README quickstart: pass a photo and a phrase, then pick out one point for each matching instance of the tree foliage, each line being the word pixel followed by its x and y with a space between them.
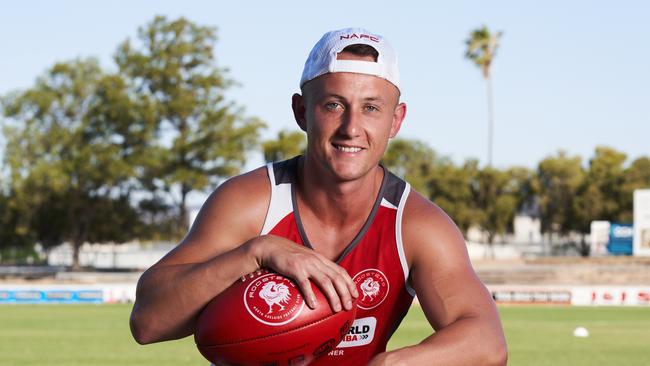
pixel 635 176
pixel 412 160
pixel 606 170
pixel 203 138
pixel 451 188
pixel 482 46
pixel 495 201
pixel 558 180
pixel 287 144
pixel 74 141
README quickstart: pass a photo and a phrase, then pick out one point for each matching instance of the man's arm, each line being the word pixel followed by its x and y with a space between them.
pixel 460 309
pixel 223 245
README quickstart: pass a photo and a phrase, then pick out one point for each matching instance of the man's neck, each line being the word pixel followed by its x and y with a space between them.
pixel 337 203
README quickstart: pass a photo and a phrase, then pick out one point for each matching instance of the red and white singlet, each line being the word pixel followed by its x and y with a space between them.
pixel 374 259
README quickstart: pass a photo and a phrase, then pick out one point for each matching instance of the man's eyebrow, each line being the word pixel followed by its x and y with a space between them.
pixel 375 99
pixel 332 95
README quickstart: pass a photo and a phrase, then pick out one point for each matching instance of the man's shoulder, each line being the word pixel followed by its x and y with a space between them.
pixel 251 183
pixel 418 207
pixel 423 218
pixel 429 235
pixel 247 194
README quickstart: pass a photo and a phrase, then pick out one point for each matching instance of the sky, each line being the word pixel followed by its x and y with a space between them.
pixel 568 75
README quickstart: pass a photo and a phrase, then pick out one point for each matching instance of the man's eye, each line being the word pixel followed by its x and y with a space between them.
pixel 332 106
pixel 371 108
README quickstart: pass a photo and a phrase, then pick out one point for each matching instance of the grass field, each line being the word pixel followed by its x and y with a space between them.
pixel 99 335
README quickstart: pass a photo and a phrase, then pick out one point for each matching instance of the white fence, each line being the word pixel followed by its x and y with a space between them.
pixel 132 255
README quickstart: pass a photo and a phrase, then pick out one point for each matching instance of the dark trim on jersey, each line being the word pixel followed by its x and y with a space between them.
pixel 286 171
pixel 394 189
pixel 391 189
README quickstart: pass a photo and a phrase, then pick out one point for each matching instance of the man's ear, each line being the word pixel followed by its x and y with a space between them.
pixel 398 118
pixel 298 106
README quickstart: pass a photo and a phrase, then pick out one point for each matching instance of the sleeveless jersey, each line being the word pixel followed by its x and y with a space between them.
pixel 374 259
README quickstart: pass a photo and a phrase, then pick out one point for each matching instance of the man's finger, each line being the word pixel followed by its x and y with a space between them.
pixel 324 282
pixel 340 279
pixel 344 275
pixel 352 287
pixel 308 293
pixel 344 292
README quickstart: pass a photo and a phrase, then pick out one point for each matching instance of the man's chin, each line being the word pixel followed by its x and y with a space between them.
pixel 349 173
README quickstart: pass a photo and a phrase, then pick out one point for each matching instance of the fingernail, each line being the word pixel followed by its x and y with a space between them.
pixel 348 305
pixel 337 307
pixel 313 302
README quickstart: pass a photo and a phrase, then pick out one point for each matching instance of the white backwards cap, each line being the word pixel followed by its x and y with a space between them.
pixel 322 58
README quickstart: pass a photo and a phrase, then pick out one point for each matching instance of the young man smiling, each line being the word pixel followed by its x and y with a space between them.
pixel 338 218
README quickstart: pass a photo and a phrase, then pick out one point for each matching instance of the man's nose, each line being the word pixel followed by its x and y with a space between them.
pixel 351 123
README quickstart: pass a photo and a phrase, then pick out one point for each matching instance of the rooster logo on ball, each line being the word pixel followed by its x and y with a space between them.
pixel 275 294
pixel 273 299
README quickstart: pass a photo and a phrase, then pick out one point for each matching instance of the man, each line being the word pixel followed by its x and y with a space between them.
pixel 336 217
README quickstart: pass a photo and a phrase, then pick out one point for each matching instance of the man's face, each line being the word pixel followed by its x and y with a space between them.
pixel 349 119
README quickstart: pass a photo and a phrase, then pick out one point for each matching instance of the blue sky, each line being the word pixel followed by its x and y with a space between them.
pixel 569 75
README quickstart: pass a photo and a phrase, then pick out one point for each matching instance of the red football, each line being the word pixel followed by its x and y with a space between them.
pixel 262 319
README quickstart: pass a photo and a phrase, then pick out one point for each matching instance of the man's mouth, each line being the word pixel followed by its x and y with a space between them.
pixel 347 149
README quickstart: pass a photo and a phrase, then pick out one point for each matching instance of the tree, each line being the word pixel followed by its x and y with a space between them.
pixel 558 180
pixel 8 218
pixel 207 137
pixel 495 201
pixel 599 195
pixel 451 188
pixel 412 160
pixel 288 144
pixel 636 176
pixel 587 206
pixel 482 47
pixel 75 141
pixel 521 183
pixel 606 173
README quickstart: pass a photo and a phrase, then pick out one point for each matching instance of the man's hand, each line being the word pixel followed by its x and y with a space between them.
pixel 303 264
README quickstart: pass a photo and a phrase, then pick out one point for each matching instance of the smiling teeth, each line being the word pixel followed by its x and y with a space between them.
pixel 349 149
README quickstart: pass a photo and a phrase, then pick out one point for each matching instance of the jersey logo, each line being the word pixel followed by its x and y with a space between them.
pixel 370 289
pixel 273 300
pixel 373 286
pixel 361 333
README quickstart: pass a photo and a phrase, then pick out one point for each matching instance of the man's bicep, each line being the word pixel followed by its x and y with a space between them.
pixel 441 273
pixel 232 214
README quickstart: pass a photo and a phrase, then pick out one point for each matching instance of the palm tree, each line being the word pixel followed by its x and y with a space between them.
pixel 481 49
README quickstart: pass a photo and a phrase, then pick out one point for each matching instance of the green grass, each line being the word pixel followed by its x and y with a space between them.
pixel 543 336
pixel 81 335
pixel 99 335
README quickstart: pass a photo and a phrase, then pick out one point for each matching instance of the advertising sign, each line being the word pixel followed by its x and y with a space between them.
pixel 66 294
pixel 599 238
pixel 571 295
pixel 620 239
pixel 642 222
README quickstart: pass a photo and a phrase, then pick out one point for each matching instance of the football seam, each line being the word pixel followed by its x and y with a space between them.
pixel 267 336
